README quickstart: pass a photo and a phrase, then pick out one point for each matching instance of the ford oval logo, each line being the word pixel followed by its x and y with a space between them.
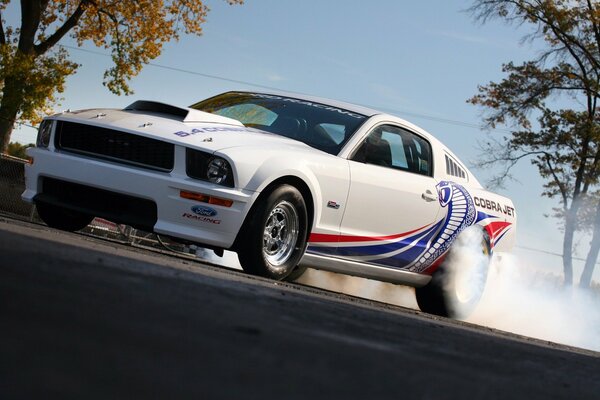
pixel 204 211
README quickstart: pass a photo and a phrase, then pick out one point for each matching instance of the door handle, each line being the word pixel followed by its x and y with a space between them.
pixel 428 196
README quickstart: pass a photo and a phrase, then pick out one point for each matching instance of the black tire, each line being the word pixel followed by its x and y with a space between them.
pixel 273 239
pixel 431 298
pixel 296 273
pixel 443 296
pixel 62 218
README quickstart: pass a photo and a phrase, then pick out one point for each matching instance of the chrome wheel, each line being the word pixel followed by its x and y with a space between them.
pixel 273 238
pixel 281 233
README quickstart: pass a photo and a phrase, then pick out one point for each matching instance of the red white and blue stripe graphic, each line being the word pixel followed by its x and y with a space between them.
pixel 394 250
pixel 495 228
pixel 416 250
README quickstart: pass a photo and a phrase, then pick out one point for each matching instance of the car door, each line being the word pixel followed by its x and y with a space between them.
pixel 392 203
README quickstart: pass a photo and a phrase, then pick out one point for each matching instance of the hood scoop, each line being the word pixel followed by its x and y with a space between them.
pixel 182 114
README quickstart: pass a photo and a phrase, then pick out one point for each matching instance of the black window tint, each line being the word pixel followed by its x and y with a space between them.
pixel 394 147
pixel 321 126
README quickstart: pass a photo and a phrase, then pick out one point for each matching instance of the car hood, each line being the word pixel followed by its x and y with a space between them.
pixel 196 129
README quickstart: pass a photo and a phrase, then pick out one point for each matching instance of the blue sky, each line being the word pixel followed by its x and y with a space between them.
pixel 419 60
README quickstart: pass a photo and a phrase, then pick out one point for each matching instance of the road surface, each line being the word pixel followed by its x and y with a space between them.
pixel 86 318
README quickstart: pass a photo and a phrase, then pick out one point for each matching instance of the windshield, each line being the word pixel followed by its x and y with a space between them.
pixel 321 126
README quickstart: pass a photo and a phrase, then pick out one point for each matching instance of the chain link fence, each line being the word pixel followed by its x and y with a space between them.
pixel 12 185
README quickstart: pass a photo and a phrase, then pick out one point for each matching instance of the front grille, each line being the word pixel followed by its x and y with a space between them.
pixel 116 207
pixel 117 146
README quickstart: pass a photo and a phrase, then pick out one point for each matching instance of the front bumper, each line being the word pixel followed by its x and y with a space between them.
pixel 174 215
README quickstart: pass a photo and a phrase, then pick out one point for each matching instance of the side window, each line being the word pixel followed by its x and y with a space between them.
pixel 397 148
pixel 394 147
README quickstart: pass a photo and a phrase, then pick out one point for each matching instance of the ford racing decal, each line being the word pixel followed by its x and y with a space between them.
pixel 204 211
pixel 202 214
pixel 201 218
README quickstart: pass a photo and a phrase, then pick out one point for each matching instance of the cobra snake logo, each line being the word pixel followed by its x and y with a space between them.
pixel 460 213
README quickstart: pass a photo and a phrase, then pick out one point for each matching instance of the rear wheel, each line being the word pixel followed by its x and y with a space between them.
pixel 273 239
pixel 62 218
pixel 457 286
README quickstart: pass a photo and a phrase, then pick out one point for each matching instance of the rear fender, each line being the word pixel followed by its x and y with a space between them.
pixel 497 215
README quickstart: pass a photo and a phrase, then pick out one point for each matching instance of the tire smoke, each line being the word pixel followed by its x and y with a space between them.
pixel 525 300
pixel 465 271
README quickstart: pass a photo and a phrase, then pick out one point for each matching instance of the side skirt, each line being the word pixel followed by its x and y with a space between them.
pixel 363 270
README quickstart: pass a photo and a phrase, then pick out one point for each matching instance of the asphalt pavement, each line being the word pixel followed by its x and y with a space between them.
pixel 90 319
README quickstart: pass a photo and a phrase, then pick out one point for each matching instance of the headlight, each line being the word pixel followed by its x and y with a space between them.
pixel 218 170
pixel 44 131
pixel 206 167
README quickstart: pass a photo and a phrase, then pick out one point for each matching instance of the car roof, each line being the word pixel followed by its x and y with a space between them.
pixel 366 111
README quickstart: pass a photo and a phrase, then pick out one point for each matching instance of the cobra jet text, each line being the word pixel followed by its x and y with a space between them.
pixel 494 206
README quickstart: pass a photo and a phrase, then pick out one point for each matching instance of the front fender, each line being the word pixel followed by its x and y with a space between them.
pixel 327 178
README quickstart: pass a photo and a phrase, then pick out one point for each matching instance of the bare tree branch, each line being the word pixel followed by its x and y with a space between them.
pixel 594 22
pixel 69 24
pixel 559 183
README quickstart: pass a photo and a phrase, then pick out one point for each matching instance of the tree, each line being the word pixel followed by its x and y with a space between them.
pixel 18 150
pixel 564 144
pixel 34 67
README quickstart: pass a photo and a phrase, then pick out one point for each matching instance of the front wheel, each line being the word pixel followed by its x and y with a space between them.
pixel 457 286
pixel 273 239
pixel 62 218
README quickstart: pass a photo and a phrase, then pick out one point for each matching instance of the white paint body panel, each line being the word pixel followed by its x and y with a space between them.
pixel 371 201
pixel 383 200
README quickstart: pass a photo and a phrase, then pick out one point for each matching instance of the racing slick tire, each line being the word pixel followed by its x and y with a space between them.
pixel 455 290
pixel 62 218
pixel 274 236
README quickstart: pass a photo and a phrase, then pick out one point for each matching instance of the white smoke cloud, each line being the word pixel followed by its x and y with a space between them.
pixel 523 299
pixel 359 287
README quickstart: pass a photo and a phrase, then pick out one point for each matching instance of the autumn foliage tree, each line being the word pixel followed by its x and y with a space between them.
pixel 562 142
pixel 34 67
